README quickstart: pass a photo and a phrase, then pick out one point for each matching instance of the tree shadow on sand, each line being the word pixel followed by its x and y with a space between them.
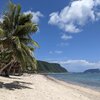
pixel 15 85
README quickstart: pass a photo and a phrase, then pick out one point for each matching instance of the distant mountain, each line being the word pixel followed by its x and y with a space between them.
pixel 45 67
pixel 92 71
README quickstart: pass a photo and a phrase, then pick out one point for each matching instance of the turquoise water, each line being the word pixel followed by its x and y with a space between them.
pixel 91 80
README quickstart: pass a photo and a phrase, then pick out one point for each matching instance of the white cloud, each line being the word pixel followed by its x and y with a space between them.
pixel 74 16
pixel 98 16
pixel 36 15
pixel 66 37
pixel 1 18
pixel 97 2
pixel 56 52
pixel 78 65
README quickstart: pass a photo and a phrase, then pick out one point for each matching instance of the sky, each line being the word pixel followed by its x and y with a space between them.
pixel 69 31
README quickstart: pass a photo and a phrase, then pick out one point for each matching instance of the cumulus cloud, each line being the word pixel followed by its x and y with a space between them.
pixel 98 16
pixel 36 15
pixel 1 18
pixel 78 65
pixel 66 37
pixel 97 2
pixel 74 16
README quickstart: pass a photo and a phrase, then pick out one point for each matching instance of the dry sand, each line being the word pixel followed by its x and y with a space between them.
pixel 40 87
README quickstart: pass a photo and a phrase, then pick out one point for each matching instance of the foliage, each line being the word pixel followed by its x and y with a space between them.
pixel 45 67
pixel 15 37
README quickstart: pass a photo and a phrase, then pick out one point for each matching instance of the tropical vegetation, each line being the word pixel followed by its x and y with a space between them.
pixel 16 43
pixel 45 67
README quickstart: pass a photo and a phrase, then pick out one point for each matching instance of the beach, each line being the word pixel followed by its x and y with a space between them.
pixel 42 87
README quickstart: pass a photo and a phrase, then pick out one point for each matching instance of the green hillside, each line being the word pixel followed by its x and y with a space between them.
pixel 45 67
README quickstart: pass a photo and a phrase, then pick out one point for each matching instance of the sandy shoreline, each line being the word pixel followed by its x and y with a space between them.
pixel 40 87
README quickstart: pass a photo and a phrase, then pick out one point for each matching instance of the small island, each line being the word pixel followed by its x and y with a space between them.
pixel 92 71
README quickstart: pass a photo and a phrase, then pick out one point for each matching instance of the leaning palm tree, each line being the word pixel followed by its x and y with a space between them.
pixel 5 58
pixel 15 35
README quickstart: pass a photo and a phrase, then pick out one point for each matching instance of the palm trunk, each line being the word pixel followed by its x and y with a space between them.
pixel 6 73
pixel 2 69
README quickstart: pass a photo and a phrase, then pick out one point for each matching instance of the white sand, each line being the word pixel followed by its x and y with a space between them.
pixel 39 87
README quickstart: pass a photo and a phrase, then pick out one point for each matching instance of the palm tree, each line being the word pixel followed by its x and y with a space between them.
pixel 5 57
pixel 15 35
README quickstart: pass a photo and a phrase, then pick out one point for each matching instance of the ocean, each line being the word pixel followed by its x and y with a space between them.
pixel 89 80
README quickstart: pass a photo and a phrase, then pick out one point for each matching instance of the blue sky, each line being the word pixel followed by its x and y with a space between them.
pixel 69 31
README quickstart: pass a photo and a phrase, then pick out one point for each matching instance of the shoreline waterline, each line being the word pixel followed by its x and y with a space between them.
pixel 81 79
pixel 43 87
